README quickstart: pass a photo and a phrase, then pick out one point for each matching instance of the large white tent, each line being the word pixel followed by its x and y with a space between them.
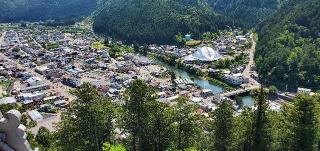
pixel 203 54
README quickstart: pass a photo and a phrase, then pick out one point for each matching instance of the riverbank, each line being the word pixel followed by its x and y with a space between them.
pixel 172 61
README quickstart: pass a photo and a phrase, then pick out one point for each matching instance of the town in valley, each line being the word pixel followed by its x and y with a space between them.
pixel 40 65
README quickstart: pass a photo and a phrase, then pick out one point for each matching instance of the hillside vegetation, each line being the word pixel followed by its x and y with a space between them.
pixel 249 13
pixel 156 21
pixel 288 51
pixel 36 10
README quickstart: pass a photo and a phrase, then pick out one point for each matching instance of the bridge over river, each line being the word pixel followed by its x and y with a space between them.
pixel 238 91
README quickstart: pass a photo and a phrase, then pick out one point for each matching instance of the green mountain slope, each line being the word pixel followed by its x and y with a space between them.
pixel 288 50
pixel 247 12
pixel 155 21
pixel 35 10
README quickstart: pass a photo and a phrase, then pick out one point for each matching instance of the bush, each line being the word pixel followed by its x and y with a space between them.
pixel 273 90
pixel 44 137
pixel 108 147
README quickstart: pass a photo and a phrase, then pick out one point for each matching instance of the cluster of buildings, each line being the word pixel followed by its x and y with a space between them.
pixel 204 57
pixel 45 64
pixel 51 62
pixel 27 88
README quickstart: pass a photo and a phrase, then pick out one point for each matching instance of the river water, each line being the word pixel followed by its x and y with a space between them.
pixel 247 100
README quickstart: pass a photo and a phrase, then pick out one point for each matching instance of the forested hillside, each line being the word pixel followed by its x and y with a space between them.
pixel 156 21
pixel 289 46
pixel 36 10
pixel 249 13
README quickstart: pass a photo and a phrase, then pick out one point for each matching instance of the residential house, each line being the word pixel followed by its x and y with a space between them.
pixel 27 98
pixel 35 88
pixel 35 115
pixel 234 80
pixel 8 100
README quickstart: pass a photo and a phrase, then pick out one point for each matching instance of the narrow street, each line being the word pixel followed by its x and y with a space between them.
pixel 249 70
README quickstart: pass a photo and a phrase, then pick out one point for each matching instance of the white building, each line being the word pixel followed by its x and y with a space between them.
pixel 304 90
pixel 8 100
pixel 35 115
pixel 203 54
pixel 27 98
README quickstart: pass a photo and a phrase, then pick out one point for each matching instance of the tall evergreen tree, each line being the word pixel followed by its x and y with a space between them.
pixel 242 131
pixel 281 127
pixel 306 121
pixel 136 113
pixel 260 138
pixel 87 123
pixel 223 118
pixel 159 131
pixel 185 124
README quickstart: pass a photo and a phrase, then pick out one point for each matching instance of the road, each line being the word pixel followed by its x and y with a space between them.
pixel 248 70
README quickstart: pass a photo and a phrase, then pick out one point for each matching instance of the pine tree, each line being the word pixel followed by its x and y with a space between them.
pixel 306 121
pixel 281 127
pixel 260 138
pixel 136 112
pixel 87 123
pixel 159 131
pixel 242 131
pixel 223 118
pixel 185 124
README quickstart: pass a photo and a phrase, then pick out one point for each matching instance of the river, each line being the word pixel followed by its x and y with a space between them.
pixel 205 84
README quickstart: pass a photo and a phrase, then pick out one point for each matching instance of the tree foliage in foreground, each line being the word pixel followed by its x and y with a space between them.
pixel 151 125
pixel 87 123
pixel 44 137
pixel 154 125
pixel 260 135
pixel 223 125
pixel 109 147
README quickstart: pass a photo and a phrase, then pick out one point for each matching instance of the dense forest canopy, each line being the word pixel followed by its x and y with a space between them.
pixel 156 21
pixel 144 20
pixel 288 51
pixel 36 10
pixel 249 13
